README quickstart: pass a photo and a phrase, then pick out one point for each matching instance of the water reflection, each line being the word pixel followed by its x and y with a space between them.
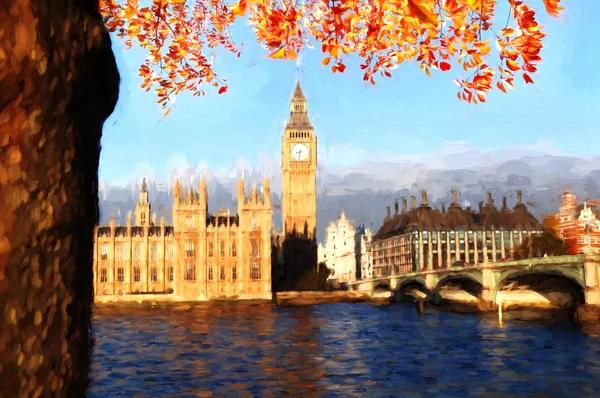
pixel 334 350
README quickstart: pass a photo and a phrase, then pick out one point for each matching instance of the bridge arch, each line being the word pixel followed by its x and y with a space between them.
pixel 564 279
pixel 405 285
pixel 475 280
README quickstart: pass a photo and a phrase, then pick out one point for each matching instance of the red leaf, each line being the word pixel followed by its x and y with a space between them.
pixel 222 89
pixel 444 66
pixel 527 78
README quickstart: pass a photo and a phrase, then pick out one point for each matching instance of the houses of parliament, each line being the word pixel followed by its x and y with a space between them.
pixel 205 255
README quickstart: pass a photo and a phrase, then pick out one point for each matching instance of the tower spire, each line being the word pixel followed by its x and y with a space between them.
pixel 298 93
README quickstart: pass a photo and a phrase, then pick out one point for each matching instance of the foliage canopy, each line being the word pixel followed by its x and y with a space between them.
pixel 179 35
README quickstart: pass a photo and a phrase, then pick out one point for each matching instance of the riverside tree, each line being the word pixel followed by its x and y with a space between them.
pixel 179 36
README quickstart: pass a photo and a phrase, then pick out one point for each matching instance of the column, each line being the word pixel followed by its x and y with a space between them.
pixel 448 251
pixel 439 250
pixel 475 248
pixel 467 254
pixel 430 250
pixel 484 243
pixel 421 259
pixel 494 249
pixel 502 244
pixel 592 285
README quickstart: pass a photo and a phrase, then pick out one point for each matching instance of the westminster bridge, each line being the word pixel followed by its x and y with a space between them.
pixel 488 278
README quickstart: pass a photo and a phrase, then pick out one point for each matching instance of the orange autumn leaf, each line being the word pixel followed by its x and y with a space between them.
pixel 553 8
pixel 278 54
pixel 240 8
pixel 180 38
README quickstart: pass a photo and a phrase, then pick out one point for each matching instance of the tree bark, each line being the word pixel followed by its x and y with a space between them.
pixel 59 84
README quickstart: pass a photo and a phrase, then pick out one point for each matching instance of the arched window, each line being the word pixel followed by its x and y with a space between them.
pixel 233 249
pixel 210 272
pixel 255 271
pixel 222 272
pixel 189 249
pixel 222 249
pixel 153 274
pixel 210 249
pixel 171 275
pixel 136 274
pixel 234 272
pixel 103 275
pixel 190 272
pixel 120 275
pixel 104 255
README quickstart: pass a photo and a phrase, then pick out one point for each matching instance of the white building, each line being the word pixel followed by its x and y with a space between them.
pixel 346 252
pixel 366 258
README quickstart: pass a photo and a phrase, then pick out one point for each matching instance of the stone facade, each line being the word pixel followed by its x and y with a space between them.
pixel 422 238
pixel 340 251
pixel 366 253
pixel 299 171
pixel 201 256
pixel 578 225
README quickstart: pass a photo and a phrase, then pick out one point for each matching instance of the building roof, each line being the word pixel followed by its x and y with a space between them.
pixel 298 93
pixel 425 218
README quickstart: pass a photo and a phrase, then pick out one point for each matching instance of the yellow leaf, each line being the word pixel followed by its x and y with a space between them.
pixel 326 61
pixel 278 54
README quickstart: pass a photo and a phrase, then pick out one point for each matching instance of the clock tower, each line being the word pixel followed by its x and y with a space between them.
pixel 299 171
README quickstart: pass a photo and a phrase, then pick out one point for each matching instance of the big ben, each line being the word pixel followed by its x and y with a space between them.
pixel 299 171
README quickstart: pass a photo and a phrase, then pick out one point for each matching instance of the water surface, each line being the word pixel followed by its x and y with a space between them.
pixel 338 350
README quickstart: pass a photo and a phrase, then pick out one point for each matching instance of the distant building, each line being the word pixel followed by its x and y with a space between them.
pixel 422 238
pixel 339 253
pixel 200 256
pixel 578 224
pixel 366 253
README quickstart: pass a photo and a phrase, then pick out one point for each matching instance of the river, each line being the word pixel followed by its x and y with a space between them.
pixel 337 350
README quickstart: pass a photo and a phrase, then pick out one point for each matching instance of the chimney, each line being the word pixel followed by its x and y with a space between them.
pixel 469 208
pixel 519 197
pixel 424 198
pixel 388 211
pixel 443 208
pixel 413 202
pixel 504 202
pixel 480 206
pixel 454 196
pixel 396 207
pixel 403 205
pixel 490 201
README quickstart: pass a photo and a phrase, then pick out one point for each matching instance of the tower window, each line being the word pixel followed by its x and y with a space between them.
pixel 190 272
pixel 104 255
pixel 210 272
pixel 222 273
pixel 222 249
pixel 255 248
pixel 170 251
pixel 234 272
pixel 103 275
pixel 137 251
pixel 153 274
pixel 255 271
pixel 189 249
pixel 136 274
pixel 189 222
pixel 233 249
pixel 154 251
pixel 171 275
pixel 120 275
pixel 142 218
pixel 210 249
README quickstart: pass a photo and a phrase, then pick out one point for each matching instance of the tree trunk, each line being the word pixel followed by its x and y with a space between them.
pixel 59 83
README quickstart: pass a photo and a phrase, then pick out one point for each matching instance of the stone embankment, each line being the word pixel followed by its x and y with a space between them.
pixel 314 297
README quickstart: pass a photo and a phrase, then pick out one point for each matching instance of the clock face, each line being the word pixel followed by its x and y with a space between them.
pixel 299 152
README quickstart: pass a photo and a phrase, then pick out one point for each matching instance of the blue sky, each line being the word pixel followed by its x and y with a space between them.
pixel 410 114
